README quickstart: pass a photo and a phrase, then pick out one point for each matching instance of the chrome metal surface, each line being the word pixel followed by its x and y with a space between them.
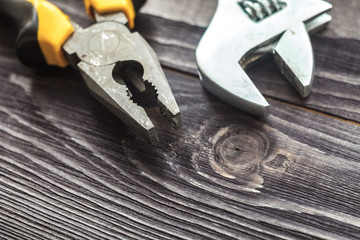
pixel 260 9
pixel 234 40
pixel 118 17
pixel 106 54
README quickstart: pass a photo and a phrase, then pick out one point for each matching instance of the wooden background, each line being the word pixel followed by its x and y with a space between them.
pixel 69 169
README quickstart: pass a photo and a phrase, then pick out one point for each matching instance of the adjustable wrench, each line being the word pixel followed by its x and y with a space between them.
pixel 242 32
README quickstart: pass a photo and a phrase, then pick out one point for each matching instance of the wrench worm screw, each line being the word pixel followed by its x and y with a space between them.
pixel 260 9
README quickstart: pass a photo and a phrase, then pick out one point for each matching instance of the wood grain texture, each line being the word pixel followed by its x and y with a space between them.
pixel 70 170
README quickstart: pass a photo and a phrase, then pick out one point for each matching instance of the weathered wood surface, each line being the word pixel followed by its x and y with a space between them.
pixel 70 170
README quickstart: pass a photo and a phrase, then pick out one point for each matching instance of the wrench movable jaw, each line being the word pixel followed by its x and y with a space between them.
pixel 294 56
pixel 234 40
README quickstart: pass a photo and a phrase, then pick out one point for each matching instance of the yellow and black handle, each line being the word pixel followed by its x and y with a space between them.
pixel 43 28
pixel 138 4
pixel 128 7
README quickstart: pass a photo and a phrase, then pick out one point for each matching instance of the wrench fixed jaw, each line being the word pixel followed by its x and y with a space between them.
pixel 108 56
pixel 218 61
pixel 257 106
pixel 229 82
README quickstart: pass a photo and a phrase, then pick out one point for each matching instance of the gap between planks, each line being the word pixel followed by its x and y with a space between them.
pixel 183 72
pixel 314 111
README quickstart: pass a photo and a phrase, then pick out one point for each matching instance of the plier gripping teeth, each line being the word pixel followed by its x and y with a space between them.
pixel 107 55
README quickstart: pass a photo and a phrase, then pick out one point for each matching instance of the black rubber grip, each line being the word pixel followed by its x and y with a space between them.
pixel 24 17
pixel 137 4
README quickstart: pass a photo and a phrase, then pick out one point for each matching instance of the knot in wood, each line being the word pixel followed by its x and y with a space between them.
pixel 241 151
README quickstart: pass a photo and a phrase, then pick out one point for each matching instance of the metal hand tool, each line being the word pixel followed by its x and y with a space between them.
pixel 108 56
pixel 242 32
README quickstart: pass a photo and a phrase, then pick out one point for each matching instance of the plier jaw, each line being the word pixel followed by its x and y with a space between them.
pixel 108 56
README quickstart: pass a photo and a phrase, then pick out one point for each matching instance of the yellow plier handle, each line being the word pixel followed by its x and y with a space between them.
pixel 108 6
pixel 44 28
pixel 54 28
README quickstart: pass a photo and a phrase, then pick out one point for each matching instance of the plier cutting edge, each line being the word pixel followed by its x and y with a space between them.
pixel 107 54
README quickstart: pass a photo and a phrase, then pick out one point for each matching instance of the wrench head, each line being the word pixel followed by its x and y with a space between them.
pixel 237 37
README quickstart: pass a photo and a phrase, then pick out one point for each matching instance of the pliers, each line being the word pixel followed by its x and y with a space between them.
pixel 108 56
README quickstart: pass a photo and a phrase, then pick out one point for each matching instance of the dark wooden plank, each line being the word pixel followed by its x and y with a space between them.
pixel 70 170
